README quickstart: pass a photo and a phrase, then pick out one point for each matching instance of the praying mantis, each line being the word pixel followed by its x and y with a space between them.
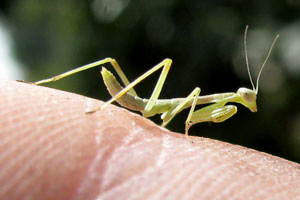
pixel 216 111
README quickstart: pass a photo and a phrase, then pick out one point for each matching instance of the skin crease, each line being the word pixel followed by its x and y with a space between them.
pixel 51 149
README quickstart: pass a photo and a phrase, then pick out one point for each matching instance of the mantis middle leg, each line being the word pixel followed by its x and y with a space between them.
pixel 168 116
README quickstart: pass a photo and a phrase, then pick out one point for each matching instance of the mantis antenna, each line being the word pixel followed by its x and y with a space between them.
pixel 246 55
pixel 264 63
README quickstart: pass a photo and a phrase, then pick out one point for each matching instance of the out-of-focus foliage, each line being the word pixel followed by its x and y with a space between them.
pixel 205 41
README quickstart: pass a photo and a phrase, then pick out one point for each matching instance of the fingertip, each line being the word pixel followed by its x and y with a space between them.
pixel 50 149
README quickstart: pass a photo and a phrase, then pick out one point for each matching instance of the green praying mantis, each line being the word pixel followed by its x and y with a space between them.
pixel 217 109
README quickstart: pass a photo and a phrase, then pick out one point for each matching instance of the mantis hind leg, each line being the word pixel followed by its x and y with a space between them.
pixel 166 65
pixel 113 62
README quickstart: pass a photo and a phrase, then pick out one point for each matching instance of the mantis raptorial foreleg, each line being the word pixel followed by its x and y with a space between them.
pixel 213 113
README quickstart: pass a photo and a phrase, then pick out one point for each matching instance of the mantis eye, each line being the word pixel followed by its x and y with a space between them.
pixel 247 94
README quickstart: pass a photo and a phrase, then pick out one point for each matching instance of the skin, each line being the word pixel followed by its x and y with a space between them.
pixel 51 149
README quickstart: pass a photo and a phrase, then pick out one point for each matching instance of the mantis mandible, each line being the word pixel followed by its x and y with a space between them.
pixel 217 110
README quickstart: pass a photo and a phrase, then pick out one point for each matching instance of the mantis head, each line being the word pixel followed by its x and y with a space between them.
pixel 248 96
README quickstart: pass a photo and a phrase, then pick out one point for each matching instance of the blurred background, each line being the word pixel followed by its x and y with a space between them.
pixel 40 39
